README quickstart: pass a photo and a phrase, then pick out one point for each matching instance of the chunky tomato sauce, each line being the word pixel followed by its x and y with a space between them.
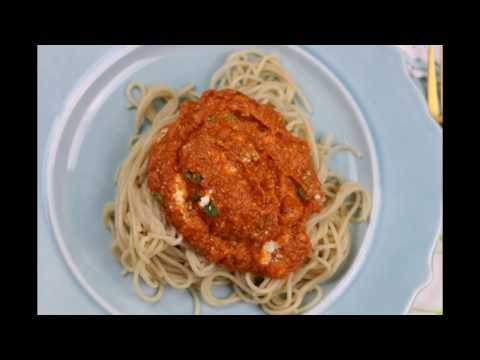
pixel 236 184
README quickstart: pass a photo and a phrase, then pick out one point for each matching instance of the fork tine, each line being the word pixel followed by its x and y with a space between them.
pixel 441 80
pixel 432 85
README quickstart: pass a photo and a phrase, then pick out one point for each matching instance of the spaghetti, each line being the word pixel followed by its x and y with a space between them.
pixel 147 246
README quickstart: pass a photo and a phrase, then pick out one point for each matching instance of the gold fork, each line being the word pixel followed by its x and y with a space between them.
pixel 432 91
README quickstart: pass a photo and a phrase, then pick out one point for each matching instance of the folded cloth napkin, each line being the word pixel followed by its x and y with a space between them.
pixel 429 300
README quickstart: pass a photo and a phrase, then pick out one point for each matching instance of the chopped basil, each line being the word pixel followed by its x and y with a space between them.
pixel 196 178
pixel 158 196
pixel 230 116
pixel 301 193
pixel 196 197
pixel 188 174
pixel 211 209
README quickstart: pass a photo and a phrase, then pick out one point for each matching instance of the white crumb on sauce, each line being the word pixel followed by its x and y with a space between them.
pixel 270 246
pixel 205 200
pixel 179 195
pixel 317 197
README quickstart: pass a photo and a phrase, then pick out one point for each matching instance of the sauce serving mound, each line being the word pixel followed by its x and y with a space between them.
pixel 236 184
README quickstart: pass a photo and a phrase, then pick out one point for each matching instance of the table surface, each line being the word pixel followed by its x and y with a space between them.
pixel 59 67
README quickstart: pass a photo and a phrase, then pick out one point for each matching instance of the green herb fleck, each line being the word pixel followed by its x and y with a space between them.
pixel 196 197
pixel 211 209
pixel 301 193
pixel 188 174
pixel 195 178
pixel 230 116
pixel 158 196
